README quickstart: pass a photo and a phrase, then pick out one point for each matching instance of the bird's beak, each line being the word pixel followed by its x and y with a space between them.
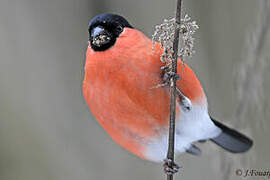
pixel 100 36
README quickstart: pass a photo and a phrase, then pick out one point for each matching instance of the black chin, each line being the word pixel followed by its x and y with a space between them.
pixel 102 47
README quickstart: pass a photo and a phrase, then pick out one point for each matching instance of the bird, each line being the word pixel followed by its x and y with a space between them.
pixel 121 73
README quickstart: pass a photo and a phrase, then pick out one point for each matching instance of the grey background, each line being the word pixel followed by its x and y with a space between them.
pixel 46 129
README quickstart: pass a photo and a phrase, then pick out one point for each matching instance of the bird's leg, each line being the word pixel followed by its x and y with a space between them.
pixel 185 101
pixel 170 167
pixel 167 74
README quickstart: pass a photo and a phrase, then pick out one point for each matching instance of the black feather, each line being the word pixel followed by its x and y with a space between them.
pixel 231 140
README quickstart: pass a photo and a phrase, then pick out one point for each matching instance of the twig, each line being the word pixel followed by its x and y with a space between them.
pixel 170 154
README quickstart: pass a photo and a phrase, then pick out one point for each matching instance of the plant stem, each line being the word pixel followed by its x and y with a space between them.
pixel 170 154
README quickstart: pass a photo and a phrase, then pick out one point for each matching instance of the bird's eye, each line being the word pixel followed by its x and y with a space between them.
pixel 119 29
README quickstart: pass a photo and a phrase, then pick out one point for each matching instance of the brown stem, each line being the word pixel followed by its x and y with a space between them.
pixel 170 154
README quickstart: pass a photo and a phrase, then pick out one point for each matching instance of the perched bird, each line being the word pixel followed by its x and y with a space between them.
pixel 121 69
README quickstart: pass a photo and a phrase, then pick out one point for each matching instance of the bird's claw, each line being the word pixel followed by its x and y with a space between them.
pixel 168 75
pixel 170 167
pixel 173 74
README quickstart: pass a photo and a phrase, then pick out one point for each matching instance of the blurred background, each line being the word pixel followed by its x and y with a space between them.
pixel 46 129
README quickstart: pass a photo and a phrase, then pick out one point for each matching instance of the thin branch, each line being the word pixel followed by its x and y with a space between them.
pixel 170 154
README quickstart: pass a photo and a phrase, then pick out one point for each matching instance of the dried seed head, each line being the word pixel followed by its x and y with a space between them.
pixel 164 34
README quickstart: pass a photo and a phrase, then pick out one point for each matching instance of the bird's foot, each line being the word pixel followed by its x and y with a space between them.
pixel 168 75
pixel 170 167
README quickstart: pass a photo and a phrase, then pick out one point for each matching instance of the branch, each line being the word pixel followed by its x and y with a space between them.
pixel 168 35
pixel 170 154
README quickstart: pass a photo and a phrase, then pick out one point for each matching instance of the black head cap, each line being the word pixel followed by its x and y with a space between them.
pixel 104 30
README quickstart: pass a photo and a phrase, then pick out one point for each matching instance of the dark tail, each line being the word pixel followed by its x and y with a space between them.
pixel 231 140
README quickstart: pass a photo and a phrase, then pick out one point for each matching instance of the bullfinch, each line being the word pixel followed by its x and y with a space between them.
pixel 122 66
